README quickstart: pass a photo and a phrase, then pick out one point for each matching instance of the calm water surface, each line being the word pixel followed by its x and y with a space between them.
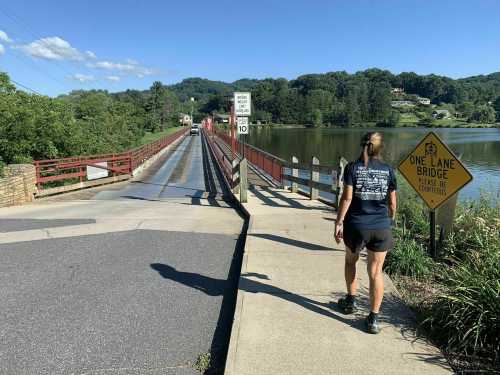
pixel 480 148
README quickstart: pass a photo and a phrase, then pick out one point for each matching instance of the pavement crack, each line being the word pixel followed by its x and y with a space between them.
pixel 47 232
pixel 138 225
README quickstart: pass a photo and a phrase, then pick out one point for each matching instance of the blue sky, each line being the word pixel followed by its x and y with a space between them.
pixel 56 46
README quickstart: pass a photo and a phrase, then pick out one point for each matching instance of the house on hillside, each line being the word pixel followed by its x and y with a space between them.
pixel 402 103
pixel 424 101
pixel 397 91
pixel 441 114
pixel 184 119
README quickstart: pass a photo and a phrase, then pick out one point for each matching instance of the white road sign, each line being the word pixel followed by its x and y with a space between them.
pixel 242 125
pixel 94 173
pixel 242 104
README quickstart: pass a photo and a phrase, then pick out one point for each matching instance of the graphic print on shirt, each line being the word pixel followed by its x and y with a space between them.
pixel 371 184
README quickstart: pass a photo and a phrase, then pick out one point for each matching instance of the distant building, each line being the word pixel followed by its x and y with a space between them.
pixel 184 119
pixel 397 91
pixel 402 103
pixel 441 113
pixel 424 101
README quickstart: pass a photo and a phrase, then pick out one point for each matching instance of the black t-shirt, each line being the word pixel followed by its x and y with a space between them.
pixel 371 188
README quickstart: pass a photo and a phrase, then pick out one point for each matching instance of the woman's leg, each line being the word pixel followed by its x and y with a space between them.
pixel 375 264
pixel 350 271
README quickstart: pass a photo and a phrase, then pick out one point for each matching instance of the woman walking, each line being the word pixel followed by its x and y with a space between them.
pixel 366 212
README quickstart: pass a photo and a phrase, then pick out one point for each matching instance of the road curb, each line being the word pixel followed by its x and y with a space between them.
pixel 235 328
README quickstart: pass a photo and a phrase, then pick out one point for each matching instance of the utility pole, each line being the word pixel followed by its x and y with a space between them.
pixel 192 109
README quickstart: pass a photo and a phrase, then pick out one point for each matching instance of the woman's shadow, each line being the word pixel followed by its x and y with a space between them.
pixel 217 287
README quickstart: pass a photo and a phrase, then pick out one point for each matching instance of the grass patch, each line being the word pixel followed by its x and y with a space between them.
pixel 203 362
pixel 409 258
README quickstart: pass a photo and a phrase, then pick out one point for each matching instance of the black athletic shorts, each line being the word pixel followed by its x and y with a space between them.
pixel 373 239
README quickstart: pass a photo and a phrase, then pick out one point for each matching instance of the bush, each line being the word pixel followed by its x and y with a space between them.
pixel 409 258
pixel 466 314
pixel 476 228
pixel 412 213
pixel 2 166
pixel 458 296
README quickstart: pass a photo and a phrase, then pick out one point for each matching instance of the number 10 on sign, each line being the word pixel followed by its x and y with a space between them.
pixel 242 125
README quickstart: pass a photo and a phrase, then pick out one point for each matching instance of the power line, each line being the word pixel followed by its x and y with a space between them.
pixel 29 31
pixel 31 63
pixel 26 87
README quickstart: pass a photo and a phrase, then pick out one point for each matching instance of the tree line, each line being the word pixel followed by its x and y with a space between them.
pixel 95 121
pixel 340 98
pixel 34 127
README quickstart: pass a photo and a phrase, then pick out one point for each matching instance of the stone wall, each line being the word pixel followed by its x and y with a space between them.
pixel 18 185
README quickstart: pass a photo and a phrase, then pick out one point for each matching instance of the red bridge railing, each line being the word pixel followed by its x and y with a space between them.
pixel 266 162
pixel 74 169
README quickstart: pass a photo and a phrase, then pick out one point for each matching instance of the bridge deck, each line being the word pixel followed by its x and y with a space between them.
pixel 123 279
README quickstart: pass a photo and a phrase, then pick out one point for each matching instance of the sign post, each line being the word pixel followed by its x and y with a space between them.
pixel 242 131
pixel 243 109
pixel 436 174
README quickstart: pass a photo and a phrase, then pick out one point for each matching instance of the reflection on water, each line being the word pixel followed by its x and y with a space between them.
pixel 480 148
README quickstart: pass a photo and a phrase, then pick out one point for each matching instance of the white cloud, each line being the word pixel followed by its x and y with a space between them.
pixel 52 48
pixel 90 55
pixel 113 78
pixel 131 67
pixel 2 50
pixel 4 37
pixel 82 77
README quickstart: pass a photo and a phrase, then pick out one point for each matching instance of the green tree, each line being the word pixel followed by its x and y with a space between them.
pixel 380 101
pixel 5 85
pixel 317 118
pixel 484 114
pixel 496 106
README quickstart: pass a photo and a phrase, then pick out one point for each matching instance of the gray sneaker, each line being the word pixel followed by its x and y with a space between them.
pixel 348 304
pixel 371 323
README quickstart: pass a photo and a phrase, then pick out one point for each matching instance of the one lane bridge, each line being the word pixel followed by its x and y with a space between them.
pixel 94 282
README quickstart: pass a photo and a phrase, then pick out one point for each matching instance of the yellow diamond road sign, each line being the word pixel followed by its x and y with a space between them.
pixel 434 171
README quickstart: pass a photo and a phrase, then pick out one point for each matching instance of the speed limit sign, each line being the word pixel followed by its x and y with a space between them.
pixel 242 125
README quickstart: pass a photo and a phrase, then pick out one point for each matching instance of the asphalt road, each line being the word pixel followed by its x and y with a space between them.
pixel 131 281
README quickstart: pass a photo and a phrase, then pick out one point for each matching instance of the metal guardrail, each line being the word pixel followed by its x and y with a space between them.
pixel 281 170
pixel 74 169
pixel 228 166
pixel 268 163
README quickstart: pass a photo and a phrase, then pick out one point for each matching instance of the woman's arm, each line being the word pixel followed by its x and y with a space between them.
pixel 345 202
pixel 392 204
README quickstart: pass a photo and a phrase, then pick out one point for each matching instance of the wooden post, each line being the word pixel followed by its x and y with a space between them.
pixel 340 180
pixel 243 181
pixel 446 215
pixel 314 193
pixel 295 173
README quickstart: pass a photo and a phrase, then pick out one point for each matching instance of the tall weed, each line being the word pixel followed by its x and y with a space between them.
pixel 466 313
pixel 409 258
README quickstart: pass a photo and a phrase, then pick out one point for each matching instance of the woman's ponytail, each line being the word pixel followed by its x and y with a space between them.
pixel 372 146
pixel 366 155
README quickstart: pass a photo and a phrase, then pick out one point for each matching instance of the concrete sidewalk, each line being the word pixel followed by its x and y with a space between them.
pixel 286 319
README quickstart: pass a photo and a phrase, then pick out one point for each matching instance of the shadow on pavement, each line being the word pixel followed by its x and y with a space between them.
pixel 296 243
pixel 393 311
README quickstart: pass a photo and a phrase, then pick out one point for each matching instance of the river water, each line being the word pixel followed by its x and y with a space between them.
pixel 479 149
